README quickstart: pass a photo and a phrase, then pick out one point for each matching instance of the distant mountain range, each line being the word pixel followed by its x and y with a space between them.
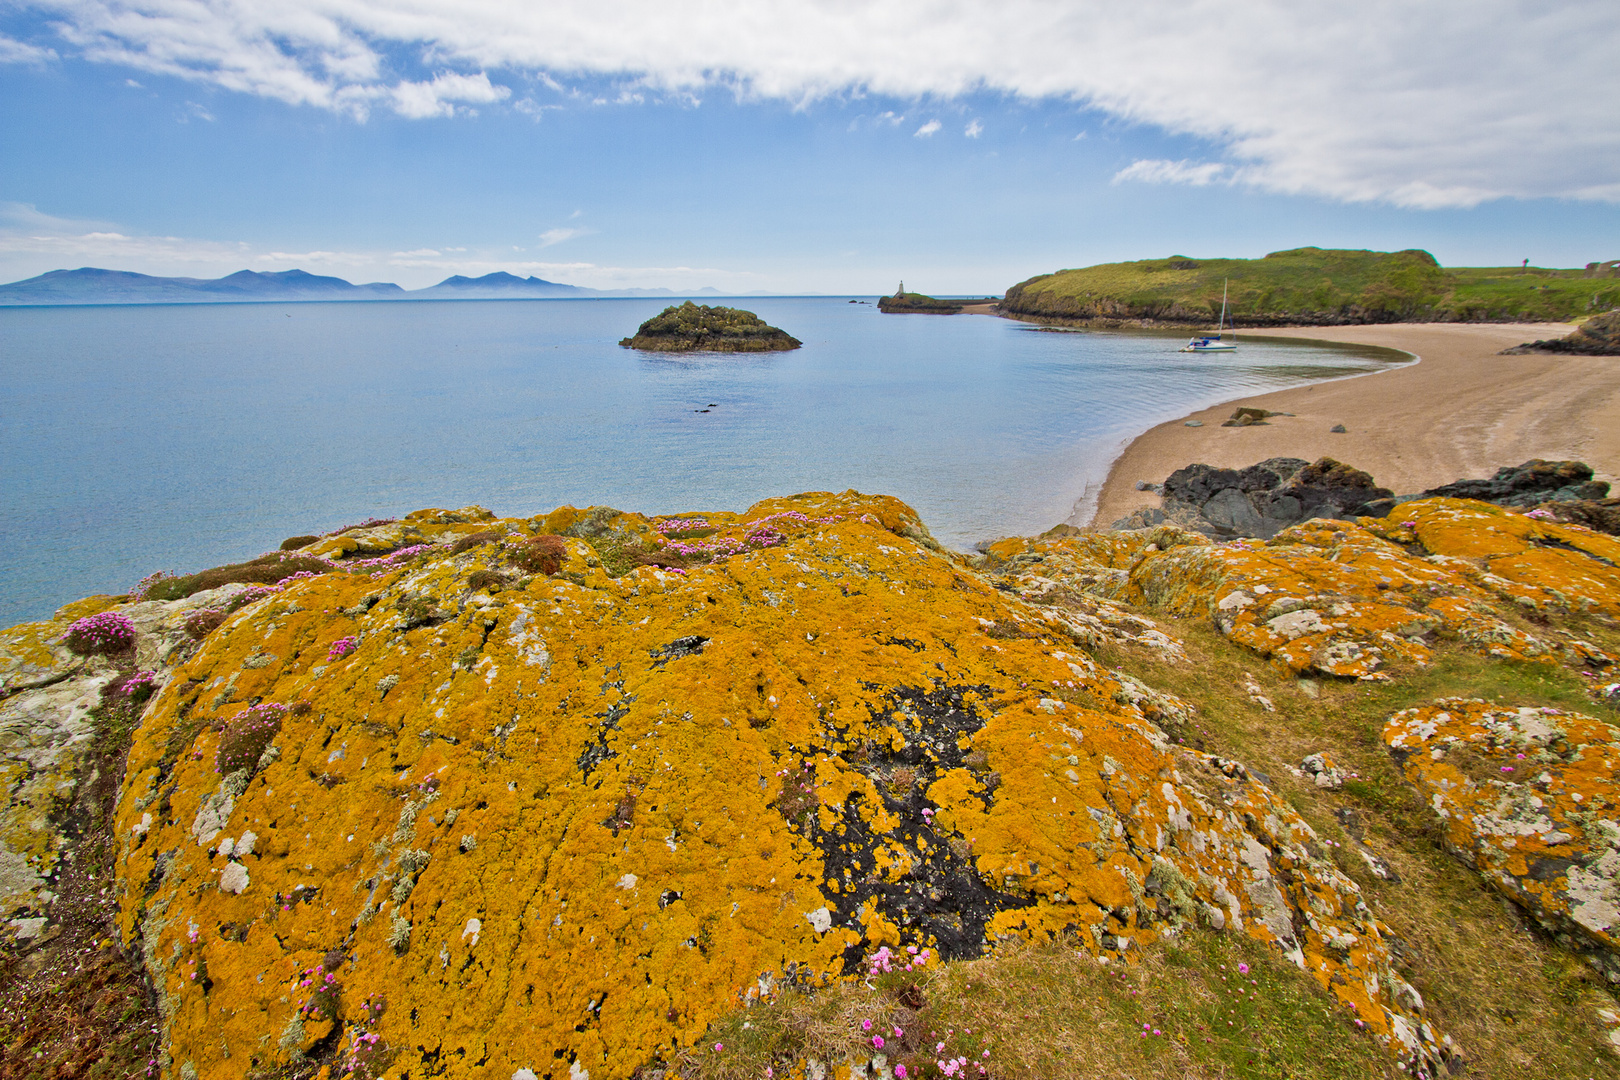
pixel 89 285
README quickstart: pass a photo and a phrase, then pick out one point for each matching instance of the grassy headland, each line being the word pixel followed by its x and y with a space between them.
pixel 1311 287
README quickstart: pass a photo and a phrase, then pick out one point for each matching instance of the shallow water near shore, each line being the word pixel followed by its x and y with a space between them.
pixel 138 438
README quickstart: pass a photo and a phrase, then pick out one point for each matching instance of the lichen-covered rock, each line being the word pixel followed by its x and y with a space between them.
pixel 1529 798
pixel 560 823
pixel 1338 598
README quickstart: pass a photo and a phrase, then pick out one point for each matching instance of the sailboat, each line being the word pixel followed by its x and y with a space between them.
pixel 1217 343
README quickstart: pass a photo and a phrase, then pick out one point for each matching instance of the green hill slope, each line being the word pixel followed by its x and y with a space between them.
pixel 1312 287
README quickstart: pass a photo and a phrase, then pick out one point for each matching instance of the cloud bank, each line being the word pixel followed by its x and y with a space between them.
pixel 1419 103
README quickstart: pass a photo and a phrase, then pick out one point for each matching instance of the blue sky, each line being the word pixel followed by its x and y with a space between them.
pixel 816 146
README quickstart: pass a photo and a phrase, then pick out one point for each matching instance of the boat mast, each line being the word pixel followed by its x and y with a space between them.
pixel 1221 326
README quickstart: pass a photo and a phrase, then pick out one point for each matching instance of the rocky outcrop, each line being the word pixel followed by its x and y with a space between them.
pixel 1529 798
pixel 1333 598
pixel 1601 515
pixel 692 327
pixel 554 793
pixel 1534 482
pixel 1598 336
pixel 1260 500
pixel 548 795
pixel 1263 499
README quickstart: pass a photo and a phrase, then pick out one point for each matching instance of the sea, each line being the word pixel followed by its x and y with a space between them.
pixel 136 438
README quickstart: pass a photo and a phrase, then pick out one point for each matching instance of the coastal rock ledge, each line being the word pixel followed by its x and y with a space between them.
pixel 552 796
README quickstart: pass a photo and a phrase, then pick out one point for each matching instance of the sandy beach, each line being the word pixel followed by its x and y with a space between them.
pixel 1462 412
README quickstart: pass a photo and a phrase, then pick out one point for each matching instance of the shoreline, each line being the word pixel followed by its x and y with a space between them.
pixel 1461 412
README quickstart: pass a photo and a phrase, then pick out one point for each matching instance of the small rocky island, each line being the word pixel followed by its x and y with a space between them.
pixel 910 303
pixel 698 328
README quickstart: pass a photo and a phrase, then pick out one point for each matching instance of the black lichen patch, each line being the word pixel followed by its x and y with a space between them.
pixel 940 900
pixel 684 646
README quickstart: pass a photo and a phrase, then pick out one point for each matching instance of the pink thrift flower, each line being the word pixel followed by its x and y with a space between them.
pixel 877 1041
pixel 719 1047
pixel 1243 969
pixel 866 1025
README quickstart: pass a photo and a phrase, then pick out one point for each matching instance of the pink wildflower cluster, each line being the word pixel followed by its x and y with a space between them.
pixel 389 561
pixel 884 961
pixel 254 593
pixel 764 537
pixel 101 634
pixel 342 647
pixel 763 533
pixel 675 526
pixel 246 737
pixel 148 581
pixel 1540 515
pixel 140 684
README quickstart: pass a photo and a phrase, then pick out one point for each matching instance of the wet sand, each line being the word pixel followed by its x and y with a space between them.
pixel 1462 412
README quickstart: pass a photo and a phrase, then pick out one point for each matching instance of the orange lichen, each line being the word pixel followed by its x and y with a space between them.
pixel 1341 598
pixel 1528 797
pixel 564 823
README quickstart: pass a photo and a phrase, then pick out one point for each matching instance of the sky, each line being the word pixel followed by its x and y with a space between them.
pixel 798 146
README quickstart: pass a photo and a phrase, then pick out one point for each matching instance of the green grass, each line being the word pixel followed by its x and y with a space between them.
pixel 1313 285
pixel 1052 1011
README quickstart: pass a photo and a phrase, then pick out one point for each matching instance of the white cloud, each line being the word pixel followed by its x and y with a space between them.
pixel 13 51
pixel 557 236
pixel 926 130
pixel 973 130
pixel 417 100
pixel 1198 174
pixel 1417 102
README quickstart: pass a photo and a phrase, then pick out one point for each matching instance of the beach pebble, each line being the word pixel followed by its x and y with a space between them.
pixel 1193 423
pixel 1339 429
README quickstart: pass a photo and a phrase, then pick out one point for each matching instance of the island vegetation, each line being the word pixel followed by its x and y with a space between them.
pixel 1313 287
pixel 693 327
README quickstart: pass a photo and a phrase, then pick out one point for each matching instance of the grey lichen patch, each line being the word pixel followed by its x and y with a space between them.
pixel 399 933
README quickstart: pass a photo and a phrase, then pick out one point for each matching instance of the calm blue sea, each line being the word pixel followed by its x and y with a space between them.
pixel 141 438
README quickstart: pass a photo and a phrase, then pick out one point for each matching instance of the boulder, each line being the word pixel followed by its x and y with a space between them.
pixel 1518 793
pixel 1262 499
pixel 1534 482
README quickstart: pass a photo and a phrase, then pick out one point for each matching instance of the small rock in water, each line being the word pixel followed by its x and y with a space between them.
pixel 1339 429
